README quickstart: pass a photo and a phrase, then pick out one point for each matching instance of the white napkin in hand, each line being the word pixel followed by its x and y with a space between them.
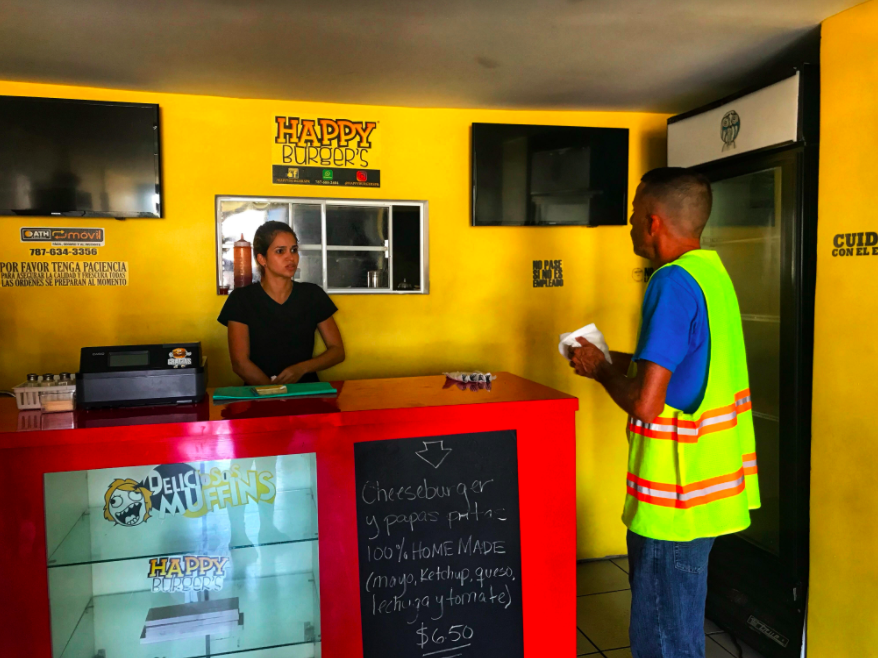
pixel 591 333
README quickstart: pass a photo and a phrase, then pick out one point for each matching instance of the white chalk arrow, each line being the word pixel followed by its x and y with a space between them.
pixel 434 453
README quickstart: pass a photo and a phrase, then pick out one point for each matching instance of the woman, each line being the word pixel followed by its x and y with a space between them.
pixel 271 323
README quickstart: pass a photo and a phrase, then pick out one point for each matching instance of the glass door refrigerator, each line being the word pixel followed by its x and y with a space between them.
pixel 760 151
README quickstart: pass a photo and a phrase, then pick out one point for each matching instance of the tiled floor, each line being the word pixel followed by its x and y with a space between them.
pixel 602 610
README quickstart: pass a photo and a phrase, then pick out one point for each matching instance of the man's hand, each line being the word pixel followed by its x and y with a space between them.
pixel 587 360
pixel 642 397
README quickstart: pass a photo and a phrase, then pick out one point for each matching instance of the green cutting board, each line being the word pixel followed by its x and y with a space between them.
pixel 293 390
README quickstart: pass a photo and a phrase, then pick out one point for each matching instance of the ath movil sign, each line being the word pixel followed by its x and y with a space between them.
pixel 64 237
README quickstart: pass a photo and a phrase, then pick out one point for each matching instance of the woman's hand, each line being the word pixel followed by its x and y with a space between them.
pixel 291 375
pixel 334 354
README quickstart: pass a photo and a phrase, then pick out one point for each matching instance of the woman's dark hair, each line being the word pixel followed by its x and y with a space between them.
pixel 266 234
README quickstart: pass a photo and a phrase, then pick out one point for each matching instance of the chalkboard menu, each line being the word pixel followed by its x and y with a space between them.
pixel 440 546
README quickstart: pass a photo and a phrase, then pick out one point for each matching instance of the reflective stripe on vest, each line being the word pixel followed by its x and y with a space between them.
pixel 750 464
pixel 685 431
pixel 697 493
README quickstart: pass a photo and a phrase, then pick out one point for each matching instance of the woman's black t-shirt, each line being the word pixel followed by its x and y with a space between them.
pixel 281 335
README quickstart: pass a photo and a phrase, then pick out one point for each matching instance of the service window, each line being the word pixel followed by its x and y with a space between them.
pixel 345 246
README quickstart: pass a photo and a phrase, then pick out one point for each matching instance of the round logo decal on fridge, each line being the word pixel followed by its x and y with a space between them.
pixel 731 125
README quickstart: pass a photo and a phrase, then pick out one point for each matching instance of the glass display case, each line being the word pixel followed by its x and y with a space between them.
pixel 185 560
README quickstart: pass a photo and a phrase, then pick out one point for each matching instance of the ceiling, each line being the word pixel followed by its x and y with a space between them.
pixel 655 55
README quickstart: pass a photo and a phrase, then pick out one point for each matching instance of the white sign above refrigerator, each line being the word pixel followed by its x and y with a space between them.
pixel 767 117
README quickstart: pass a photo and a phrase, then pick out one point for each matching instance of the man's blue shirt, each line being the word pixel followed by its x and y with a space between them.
pixel 675 334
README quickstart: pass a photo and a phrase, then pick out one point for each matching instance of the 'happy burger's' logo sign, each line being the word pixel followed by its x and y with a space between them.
pixel 322 151
pixel 187 573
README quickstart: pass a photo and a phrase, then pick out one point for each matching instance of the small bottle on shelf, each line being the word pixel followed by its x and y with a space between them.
pixel 33 379
pixel 243 263
pixel 48 379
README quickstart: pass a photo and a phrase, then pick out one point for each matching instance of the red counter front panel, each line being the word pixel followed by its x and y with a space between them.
pixel 546 454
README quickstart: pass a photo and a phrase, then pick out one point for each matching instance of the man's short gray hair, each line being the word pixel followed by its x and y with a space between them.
pixel 685 195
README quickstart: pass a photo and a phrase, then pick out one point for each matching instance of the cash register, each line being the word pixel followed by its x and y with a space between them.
pixel 135 375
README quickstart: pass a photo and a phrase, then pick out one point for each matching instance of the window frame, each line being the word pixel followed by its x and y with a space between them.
pixel 325 248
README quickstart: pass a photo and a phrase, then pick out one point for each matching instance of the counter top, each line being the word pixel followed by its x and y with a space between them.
pixel 358 402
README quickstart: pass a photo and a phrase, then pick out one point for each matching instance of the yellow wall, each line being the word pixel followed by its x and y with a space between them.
pixel 844 536
pixel 482 311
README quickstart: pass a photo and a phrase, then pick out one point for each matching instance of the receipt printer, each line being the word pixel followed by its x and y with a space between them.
pixel 133 375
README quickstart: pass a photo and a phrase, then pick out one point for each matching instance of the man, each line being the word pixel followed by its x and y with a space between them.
pixel 692 452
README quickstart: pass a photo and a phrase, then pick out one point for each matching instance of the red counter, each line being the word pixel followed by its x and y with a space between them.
pixel 366 410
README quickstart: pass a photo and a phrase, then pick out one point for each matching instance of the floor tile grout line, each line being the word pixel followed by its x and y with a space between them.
pixel 594 644
pixel 612 591
pixel 599 650
pixel 589 640
pixel 618 567
pixel 628 646
pixel 601 559
pixel 721 646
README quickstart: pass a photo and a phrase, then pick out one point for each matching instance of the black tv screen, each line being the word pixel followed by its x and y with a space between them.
pixel 79 158
pixel 549 175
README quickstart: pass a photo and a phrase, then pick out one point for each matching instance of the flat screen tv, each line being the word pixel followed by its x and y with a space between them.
pixel 549 175
pixel 79 158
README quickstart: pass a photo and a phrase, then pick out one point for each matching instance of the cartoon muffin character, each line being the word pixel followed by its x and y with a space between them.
pixel 127 502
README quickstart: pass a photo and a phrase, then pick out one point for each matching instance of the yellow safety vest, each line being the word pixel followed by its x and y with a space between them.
pixel 694 475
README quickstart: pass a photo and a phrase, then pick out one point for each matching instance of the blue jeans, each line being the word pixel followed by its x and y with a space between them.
pixel 668 591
